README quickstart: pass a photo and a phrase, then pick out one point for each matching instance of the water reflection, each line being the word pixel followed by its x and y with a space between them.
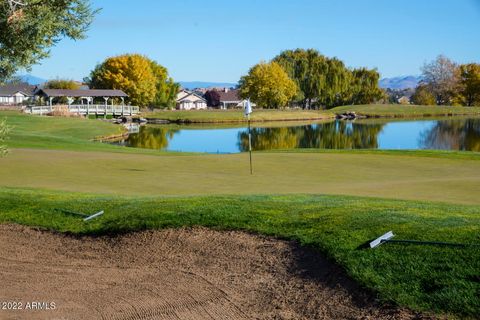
pixel 333 135
pixel 453 135
pixel 450 134
pixel 151 138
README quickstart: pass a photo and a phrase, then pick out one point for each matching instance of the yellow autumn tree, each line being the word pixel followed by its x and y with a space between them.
pixel 268 85
pixel 131 73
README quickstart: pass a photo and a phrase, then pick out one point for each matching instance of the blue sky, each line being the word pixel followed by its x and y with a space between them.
pixel 216 40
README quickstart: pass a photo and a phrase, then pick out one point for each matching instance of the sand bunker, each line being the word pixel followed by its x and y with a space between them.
pixel 174 274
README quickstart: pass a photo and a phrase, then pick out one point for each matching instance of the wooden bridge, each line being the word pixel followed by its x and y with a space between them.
pixel 90 109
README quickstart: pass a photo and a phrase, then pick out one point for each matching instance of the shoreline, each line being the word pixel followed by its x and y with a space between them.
pixel 268 115
pixel 189 121
pixel 334 117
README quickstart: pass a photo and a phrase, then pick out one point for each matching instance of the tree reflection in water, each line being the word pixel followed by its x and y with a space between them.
pixel 452 134
pixel 152 137
pixel 333 135
pixel 463 134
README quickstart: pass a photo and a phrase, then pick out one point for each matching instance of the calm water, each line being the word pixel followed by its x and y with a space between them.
pixel 451 134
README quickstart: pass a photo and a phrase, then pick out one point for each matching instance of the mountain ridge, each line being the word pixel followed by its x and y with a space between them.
pixel 401 82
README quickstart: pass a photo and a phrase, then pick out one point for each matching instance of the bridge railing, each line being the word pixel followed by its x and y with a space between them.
pixel 97 109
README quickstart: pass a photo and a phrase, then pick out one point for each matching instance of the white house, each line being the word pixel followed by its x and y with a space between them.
pixel 187 100
pixel 15 94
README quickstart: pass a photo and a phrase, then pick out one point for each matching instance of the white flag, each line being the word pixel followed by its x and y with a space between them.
pixel 248 107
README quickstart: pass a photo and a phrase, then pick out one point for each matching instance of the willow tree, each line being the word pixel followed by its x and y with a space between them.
pixel 268 85
pixel 326 82
pixel 364 86
pixel 337 89
pixel 308 69
pixel 29 28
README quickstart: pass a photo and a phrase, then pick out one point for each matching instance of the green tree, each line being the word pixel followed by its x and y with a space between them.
pixel 365 87
pixel 327 82
pixel 308 69
pixel 167 89
pixel 4 129
pixel 62 84
pixel 469 93
pixel 441 78
pixel 423 96
pixel 31 27
pixel 268 85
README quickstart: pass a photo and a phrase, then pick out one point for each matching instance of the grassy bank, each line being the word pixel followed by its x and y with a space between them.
pixel 223 116
pixel 29 131
pixel 440 279
pixel 378 111
pixel 407 111
pixel 58 133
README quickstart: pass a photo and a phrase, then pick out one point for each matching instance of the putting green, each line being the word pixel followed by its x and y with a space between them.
pixel 375 175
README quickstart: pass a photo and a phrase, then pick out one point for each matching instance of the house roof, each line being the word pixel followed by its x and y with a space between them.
pixel 189 94
pixel 9 90
pixel 82 93
pixel 230 96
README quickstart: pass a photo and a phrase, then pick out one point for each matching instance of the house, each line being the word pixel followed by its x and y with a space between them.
pixel 403 100
pixel 16 94
pixel 187 100
pixel 230 98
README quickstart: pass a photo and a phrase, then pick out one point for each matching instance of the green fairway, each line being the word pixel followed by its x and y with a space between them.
pixel 407 111
pixel 219 116
pixel 390 175
pixel 440 279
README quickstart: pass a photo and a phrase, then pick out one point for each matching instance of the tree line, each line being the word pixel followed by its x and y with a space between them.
pixel 445 82
pixel 310 80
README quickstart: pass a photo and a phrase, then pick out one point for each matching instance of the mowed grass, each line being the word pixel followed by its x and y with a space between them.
pixel 29 131
pixel 219 116
pixel 427 278
pixel 407 111
pixel 388 175
pixel 59 133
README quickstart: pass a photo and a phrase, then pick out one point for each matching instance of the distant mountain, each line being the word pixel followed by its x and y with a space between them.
pixel 31 80
pixel 202 84
pixel 404 82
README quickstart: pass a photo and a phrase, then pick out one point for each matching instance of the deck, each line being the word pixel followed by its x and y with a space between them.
pixel 94 109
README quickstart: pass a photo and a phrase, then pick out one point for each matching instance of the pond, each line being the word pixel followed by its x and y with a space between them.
pixel 443 134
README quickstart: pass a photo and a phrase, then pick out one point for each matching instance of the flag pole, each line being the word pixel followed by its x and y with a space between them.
pixel 248 110
pixel 250 143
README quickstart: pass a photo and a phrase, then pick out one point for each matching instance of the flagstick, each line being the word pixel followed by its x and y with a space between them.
pixel 250 143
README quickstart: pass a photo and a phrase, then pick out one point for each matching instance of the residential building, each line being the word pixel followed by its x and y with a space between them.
pixel 16 94
pixel 187 100
pixel 230 98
